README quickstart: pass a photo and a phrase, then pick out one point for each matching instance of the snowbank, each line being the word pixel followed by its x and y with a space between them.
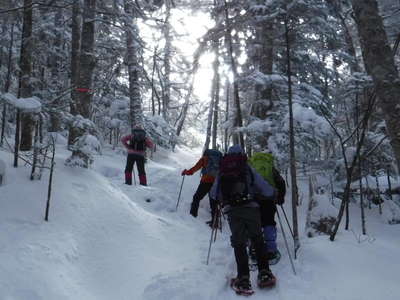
pixel 106 240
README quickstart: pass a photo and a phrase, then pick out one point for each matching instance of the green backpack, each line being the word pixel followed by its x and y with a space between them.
pixel 263 163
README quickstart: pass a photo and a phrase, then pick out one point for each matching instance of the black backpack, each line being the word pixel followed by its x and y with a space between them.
pixel 214 160
pixel 235 180
pixel 138 140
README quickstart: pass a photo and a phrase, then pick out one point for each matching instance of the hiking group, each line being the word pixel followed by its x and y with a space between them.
pixel 247 191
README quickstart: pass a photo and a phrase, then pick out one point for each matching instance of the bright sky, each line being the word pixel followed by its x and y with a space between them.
pixel 195 26
pixel 190 28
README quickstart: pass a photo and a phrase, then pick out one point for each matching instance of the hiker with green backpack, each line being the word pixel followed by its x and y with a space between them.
pixel 263 163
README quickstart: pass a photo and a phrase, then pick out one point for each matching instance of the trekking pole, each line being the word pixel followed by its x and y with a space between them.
pixel 287 221
pixel 286 243
pixel 214 232
pixel 180 191
pixel 215 222
pixel 213 236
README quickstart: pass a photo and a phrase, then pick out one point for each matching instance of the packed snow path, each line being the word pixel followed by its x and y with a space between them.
pixel 107 241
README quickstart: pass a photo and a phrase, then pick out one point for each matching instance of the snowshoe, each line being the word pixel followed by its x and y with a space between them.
pixel 265 279
pixel 242 286
pixel 274 257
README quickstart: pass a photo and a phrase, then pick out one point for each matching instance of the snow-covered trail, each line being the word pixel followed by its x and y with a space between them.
pixel 106 240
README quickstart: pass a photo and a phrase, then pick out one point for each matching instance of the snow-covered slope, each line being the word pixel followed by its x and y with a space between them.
pixel 107 241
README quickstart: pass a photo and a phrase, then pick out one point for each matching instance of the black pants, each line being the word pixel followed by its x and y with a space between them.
pixel 245 224
pixel 202 190
pixel 130 161
pixel 268 211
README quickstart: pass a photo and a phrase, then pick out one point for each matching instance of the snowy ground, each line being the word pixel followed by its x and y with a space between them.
pixel 109 241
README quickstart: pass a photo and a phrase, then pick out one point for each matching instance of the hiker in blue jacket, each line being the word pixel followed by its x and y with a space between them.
pixel 236 188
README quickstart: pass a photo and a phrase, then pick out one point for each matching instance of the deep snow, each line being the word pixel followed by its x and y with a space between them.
pixel 107 241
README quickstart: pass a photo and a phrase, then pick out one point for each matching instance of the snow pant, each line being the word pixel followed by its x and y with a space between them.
pixel 268 211
pixel 130 161
pixel 245 224
pixel 202 190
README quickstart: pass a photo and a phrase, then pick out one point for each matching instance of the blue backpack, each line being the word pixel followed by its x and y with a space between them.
pixel 214 160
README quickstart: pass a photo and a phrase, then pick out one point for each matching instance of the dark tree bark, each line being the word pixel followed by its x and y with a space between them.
pixel 86 68
pixel 56 80
pixel 132 37
pixel 379 62
pixel 166 99
pixel 293 175
pixel 216 97
pixel 25 88
pixel 238 137
pixel 227 107
pixel 7 83
pixel 75 50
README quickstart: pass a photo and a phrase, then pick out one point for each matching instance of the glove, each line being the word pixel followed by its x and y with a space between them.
pixel 187 172
pixel 194 208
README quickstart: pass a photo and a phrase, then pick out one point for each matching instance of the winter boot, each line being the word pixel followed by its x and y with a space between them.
pixel 265 279
pixel 128 178
pixel 242 286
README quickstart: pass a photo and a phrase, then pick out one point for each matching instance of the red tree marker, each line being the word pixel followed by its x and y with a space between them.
pixel 83 90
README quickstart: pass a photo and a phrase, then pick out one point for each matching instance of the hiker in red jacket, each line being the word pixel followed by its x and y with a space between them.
pixel 209 165
pixel 136 144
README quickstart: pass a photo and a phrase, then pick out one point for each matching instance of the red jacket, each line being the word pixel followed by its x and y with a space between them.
pixel 125 140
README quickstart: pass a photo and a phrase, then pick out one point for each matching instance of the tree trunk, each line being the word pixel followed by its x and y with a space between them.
pixel 132 36
pixel 264 62
pixel 238 137
pixel 7 83
pixel 167 60
pixel 293 175
pixel 379 62
pixel 56 80
pixel 226 132
pixel 210 117
pixel 216 97
pixel 153 106
pixel 86 68
pixel 185 107
pixel 75 50
pixel 25 88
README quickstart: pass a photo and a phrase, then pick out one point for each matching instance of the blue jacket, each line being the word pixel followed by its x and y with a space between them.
pixel 260 186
